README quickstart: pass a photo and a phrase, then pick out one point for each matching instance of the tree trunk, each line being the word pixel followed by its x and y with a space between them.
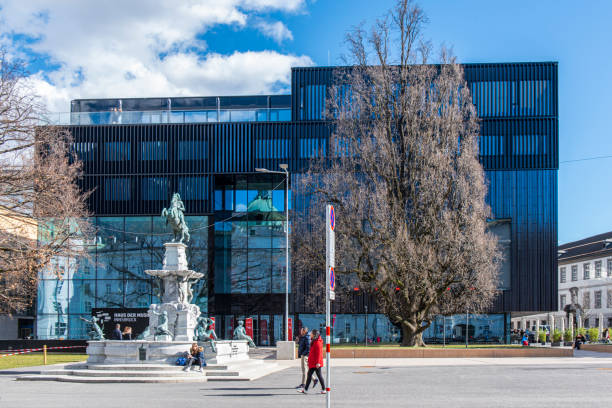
pixel 410 336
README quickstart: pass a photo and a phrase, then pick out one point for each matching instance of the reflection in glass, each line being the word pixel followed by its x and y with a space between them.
pixel 278 271
pixel 259 271
pixel 238 265
pixel 109 293
pixel 137 292
pixel 82 295
pixel 77 328
pixel 109 260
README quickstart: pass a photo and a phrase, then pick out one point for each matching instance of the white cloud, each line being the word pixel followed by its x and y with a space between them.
pixel 144 48
pixel 276 30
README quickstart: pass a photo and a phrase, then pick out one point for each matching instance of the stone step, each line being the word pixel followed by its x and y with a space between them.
pixel 147 367
pixel 107 380
pixel 100 373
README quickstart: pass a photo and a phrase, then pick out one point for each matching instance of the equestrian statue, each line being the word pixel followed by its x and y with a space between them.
pixel 174 216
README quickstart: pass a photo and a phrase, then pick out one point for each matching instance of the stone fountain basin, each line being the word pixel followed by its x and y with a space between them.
pixel 161 352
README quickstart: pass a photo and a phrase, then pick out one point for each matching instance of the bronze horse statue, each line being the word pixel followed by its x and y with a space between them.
pixel 174 216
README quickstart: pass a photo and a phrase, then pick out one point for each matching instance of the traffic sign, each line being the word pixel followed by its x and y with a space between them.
pixel 332 283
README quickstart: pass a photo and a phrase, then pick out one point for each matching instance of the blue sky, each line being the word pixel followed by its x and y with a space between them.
pixel 206 47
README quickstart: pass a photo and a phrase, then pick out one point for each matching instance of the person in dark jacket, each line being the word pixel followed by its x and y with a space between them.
pixel 195 355
pixel 117 333
pixel 303 350
pixel 315 361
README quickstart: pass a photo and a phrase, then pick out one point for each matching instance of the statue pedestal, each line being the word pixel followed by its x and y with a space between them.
pixel 180 315
pixel 161 352
pixel 182 320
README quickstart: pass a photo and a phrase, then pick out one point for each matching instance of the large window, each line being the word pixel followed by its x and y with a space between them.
pixel 598 299
pixel 154 150
pixel 562 275
pixel 586 268
pixel 502 229
pixel 586 300
pixel 609 267
pixel 574 273
pixel 116 151
pixel 562 300
pixel 112 275
pixel 117 189
pixel 597 269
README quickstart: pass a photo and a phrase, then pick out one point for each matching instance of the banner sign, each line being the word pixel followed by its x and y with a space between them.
pixel 248 326
pixel 290 322
pixel 136 318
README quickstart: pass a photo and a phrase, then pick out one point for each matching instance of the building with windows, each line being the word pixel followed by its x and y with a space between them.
pixel 585 278
pixel 137 152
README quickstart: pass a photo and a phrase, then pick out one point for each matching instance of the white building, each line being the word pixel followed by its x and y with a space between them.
pixel 584 278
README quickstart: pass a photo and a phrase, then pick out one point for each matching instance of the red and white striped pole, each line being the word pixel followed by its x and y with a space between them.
pixel 330 284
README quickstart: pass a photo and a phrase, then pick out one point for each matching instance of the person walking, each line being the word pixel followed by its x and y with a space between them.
pixel 117 335
pixel 315 361
pixel 303 350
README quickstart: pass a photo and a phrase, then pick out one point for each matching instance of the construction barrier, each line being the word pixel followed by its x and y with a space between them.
pixel 24 351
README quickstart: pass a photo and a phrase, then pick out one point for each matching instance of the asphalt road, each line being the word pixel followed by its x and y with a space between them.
pixel 483 383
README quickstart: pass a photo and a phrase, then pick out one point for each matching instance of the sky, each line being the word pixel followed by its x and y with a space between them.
pixel 145 48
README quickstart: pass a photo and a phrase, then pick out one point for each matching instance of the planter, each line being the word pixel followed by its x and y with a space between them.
pixel 555 344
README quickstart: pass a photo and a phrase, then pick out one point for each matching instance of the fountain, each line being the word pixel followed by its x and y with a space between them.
pixel 174 323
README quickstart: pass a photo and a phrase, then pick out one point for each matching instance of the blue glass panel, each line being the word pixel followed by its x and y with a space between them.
pixel 53 296
pixel 82 295
pixel 78 328
pixel 137 248
pixel 155 150
pixel 109 293
pixel 278 271
pixel 137 292
pixel 238 265
pixel 116 151
pixel 155 188
pixel 259 270
pixel 51 326
pixel 222 271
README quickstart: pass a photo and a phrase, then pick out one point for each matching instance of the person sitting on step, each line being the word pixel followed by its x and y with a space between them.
pixel 196 354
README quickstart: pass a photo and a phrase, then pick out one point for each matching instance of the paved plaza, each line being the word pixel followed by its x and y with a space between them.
pixel 512 382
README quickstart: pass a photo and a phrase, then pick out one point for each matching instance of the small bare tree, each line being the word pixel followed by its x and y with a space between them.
pixel 402 171
pixel 43 214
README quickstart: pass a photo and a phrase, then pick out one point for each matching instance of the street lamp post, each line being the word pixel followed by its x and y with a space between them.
pixel 285 171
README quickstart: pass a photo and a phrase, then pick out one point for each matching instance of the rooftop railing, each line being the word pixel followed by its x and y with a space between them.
pixel 150 117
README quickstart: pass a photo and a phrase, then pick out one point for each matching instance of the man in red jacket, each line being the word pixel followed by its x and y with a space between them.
pixel 315 361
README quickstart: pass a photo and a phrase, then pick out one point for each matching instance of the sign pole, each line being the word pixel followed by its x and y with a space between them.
pixel 330 285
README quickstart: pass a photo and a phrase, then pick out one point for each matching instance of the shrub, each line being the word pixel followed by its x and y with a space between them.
pixel 593 334
pixel 556 337
pixel 567 335
pixel 542 336
pixel 581 330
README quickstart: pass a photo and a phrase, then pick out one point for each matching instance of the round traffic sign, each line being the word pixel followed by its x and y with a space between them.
pixel 332 217
pixel 332 278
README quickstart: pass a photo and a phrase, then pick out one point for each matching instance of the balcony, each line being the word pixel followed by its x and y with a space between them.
pixel 154 117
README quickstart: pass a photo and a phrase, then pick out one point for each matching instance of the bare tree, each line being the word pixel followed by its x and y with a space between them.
pixel 43 211
pixel 402 171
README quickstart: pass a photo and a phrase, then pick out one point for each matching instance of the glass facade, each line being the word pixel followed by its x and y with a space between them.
pixel 112 275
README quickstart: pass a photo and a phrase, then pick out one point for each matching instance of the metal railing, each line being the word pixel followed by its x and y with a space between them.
pixel 166 116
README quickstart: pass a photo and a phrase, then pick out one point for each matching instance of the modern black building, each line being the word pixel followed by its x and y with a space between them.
pixel 137 152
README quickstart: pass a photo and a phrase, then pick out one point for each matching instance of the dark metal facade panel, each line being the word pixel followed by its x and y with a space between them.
pixel 133 169
pixel 529 199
